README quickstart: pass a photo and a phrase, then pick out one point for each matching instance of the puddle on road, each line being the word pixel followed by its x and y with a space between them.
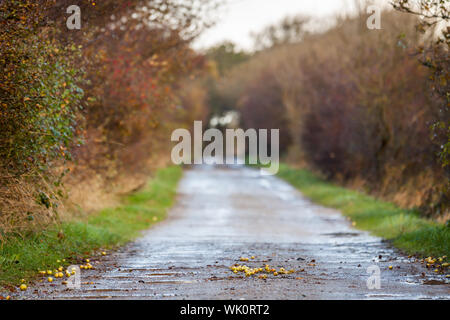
pixel 107 290
pixel 119 296
pixel 383 295
pixel 171 282
pixel 342 234
pixel 162 274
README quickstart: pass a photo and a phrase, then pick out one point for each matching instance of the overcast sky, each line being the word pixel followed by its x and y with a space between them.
pixel 238 18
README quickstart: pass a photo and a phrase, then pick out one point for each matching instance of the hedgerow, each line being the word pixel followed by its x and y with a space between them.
pixel 96 102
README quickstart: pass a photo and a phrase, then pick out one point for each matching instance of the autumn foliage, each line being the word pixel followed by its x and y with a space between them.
pixel 99 102
pixel 355 105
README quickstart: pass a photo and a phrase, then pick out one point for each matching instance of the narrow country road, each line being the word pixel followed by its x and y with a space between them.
pixel 224 213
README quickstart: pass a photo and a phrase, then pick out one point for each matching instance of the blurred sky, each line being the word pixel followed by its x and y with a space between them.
pixel 238 18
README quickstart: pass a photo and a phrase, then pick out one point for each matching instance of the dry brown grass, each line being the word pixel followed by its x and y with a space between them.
pixel 85 190
pixel 19 209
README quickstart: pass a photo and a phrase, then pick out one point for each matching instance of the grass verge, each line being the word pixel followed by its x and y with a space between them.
pixel 404 228
pixel 22 257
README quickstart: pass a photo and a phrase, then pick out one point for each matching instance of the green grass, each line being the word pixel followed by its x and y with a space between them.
pixel 22 257
pixel 404 228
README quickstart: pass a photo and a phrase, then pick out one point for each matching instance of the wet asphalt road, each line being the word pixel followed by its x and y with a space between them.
pixel 223 214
